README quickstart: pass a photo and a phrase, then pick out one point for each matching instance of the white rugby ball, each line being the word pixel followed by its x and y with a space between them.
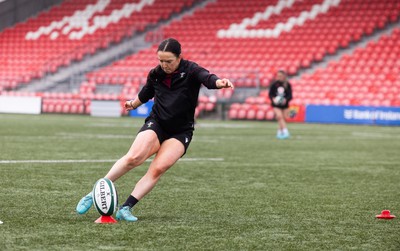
pixel 105 196
pixel 278 100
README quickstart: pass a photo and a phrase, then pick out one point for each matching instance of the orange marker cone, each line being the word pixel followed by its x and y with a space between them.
pixel 106 220
pixel 385 214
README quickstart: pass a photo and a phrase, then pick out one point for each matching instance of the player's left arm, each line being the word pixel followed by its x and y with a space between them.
pixel 224 83
pixel 289 95
pixel 211 81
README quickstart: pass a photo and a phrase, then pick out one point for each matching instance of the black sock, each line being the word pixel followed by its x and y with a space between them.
pixel 131 201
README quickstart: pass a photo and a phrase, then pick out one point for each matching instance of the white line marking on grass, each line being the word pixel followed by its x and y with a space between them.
pixel 201 159
pixel 74 136
pixel 97 161
pixel 54 161
pixel 374 135
pixel 212 126
pixel 114 125
pixel 96 136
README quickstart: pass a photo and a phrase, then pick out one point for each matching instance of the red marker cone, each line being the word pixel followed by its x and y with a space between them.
pixel 385 214
pixel 106 220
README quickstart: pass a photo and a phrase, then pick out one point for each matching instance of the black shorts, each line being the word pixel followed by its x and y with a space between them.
pixel 184 137
pixel 282 107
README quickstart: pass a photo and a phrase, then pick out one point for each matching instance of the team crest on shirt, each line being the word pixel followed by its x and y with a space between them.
pixel 149 124
pixel 281 91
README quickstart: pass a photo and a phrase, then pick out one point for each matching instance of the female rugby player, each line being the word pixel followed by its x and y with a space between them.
pixel 280 94
pixel 167 131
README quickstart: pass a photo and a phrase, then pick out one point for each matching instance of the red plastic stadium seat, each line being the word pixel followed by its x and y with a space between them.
pixel 270 115
pixel 242 113
pixel 260 115
pixel 251 114
pixel 233 113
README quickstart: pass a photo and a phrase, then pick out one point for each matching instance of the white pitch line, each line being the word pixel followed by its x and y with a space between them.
pixel 95 161
pixel 53 161
pixel 200 159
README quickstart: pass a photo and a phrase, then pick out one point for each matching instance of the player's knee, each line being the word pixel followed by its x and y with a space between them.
pixel 157 171
pixel 133 161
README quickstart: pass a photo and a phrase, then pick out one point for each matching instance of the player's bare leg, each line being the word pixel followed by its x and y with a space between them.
pixel 170 151
pixel 145 145
pixel 281 115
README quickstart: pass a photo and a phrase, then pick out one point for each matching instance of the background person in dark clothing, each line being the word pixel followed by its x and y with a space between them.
pixel 280 94
pixel 167 131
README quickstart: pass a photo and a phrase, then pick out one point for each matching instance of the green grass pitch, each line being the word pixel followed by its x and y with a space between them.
pixel 237 188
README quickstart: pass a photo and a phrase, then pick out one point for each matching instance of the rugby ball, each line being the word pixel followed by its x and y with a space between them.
pixel 278 100
pixel 105 196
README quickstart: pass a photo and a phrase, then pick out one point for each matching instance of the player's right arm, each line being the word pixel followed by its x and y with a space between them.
pixel 272 92
pixel 145 94
pixel 132 104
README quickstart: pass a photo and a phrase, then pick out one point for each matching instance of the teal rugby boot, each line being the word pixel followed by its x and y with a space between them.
pixel 85 204
pixel 125 213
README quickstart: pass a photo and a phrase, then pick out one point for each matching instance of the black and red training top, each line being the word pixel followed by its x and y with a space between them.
pixel 175 95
